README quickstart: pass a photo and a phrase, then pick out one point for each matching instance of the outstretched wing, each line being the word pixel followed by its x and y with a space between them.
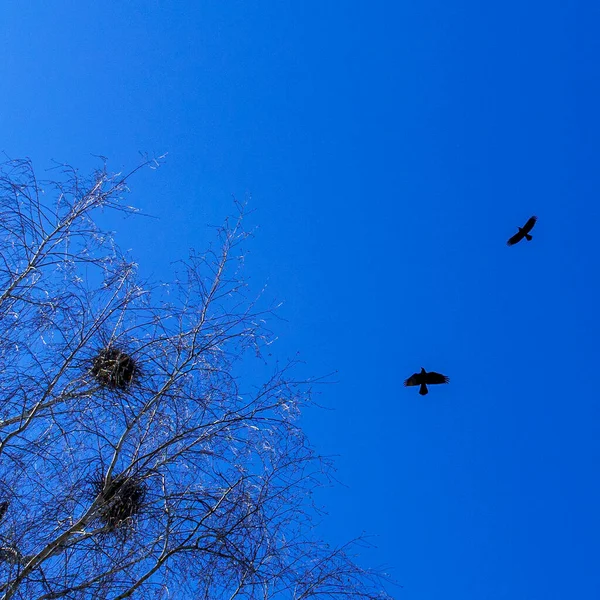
pixel 433 377
pixel 529 225
pixel 414 379
pixel 515 239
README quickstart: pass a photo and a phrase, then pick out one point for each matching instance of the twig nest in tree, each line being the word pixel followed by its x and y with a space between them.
pixel 10 555
pixel 115 369
pixel 121 498
pixel 3 509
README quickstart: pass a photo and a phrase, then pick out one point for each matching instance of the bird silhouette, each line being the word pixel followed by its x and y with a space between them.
pixel 523 232
pixel 424 378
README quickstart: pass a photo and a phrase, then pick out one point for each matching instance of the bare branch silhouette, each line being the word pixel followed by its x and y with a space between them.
pixel 135 459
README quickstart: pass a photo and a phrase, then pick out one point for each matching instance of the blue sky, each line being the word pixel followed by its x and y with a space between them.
pixel 390 149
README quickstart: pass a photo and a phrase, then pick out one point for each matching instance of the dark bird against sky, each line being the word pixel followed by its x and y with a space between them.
pixel 523 232
pixel 424 378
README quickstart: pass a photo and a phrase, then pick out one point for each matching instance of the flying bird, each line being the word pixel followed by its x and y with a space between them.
pixel 523 233
pixel 424 378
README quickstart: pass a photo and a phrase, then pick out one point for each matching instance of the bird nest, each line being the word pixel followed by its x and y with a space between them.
pixel 121 499
pixel 3 508
pixel 115 369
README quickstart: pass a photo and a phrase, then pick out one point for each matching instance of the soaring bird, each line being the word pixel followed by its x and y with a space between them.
pixel 523 232
pixel 423 378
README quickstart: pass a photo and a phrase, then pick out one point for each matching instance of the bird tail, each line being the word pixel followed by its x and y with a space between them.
pixel 423 390
pixel 528 237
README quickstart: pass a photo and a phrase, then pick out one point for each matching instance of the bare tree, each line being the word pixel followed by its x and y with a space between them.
pixel 135 460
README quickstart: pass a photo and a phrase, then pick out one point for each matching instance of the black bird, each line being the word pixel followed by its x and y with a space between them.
pixel 424 378
pixel 523 232
pixel 3 509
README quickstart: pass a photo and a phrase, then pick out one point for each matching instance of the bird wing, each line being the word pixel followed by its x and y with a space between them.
pixel 529 225
pixel 433 377
pixel 516 238
pixel 414 379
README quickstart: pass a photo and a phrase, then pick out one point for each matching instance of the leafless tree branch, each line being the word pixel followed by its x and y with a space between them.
pixel 138 456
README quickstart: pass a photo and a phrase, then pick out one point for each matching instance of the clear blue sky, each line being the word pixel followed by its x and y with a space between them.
pixel 390 149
